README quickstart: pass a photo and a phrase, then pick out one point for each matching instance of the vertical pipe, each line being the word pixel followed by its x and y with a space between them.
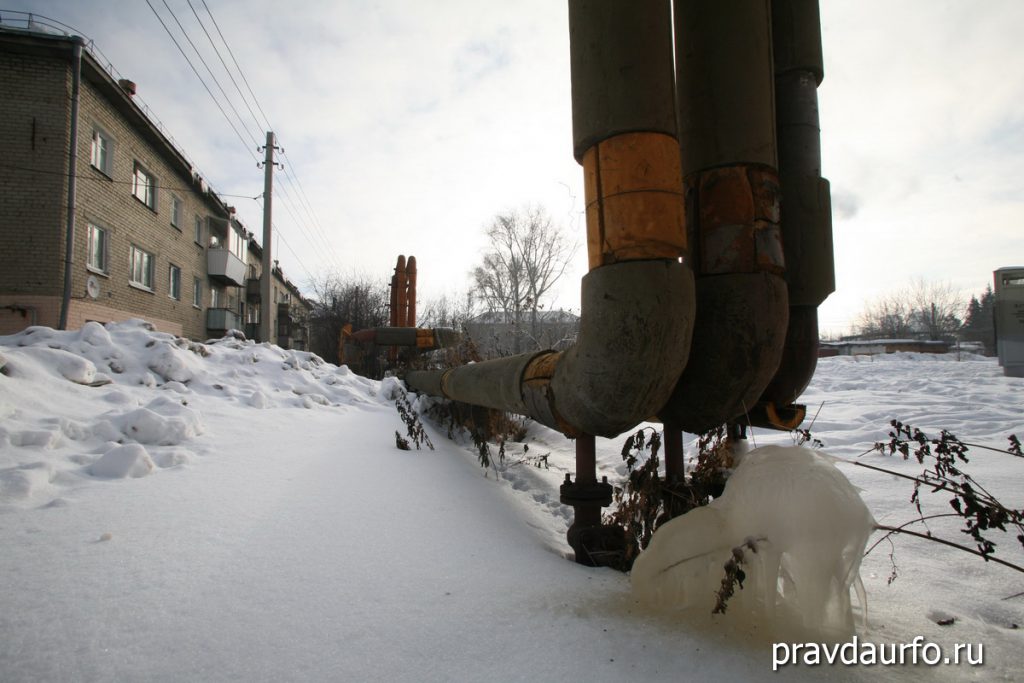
pixel 410 315
pixel 69 244
pixel 393 320
pixel 586 459
pixel 725 91
pixel 806 206
pixel 674 462
pixel 594 544
pixel 403 284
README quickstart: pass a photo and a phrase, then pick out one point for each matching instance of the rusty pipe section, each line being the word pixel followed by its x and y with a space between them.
pixel 410 297
pixel 806 206
pixel 638 298
pixel 422 338
pixel 726 113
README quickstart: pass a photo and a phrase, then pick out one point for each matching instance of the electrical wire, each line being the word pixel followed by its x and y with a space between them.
pixel 196 71
pixel 298 225
pixel 296 256
pixel 210 71
pixel 224 64
pixel 302 204
pixel 290 176
pixel 308 224
pixel 239 68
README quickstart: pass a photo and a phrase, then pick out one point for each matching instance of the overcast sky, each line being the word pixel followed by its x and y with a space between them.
pixel 408 125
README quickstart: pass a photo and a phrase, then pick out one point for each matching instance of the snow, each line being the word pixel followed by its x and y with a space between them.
pixel 234 511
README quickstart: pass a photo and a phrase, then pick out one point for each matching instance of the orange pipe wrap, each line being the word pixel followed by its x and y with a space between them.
pixel 635 207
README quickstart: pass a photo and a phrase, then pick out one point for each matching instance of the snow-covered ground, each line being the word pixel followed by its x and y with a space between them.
pixel 232 511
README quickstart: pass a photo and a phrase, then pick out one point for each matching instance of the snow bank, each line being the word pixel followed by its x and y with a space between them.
pixel 123 461
pixel 809 527
pixel 123 401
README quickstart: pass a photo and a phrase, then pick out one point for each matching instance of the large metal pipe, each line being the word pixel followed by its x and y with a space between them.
pixel 403 292
pixel 637 300
pixel 424 338
pixel 725 91
pixel 410 308
pixel 806 205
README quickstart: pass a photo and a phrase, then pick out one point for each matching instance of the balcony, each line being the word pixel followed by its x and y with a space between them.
pixel 252 289
pixel 222 319
pixel 225 267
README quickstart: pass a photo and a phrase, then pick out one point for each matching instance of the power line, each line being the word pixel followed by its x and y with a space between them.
pixel 297 259
pixel 317 227
pixel 240 72
pixel 295 206
pixel 287 206
pixel 206 87
pixel 210 71
pixel 224 64
pixel 300 204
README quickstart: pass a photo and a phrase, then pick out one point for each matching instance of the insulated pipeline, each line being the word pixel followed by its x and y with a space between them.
pixel 637 300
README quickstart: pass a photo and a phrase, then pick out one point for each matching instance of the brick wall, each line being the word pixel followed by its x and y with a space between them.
pixel 34 121
pixel 17 313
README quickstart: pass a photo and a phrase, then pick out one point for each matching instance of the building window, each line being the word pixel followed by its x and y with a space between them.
pixel 144 187
pixel 174 282
pixel 197 292
pixel 236 242
pixel 199 230
pixel 98 249
pixel 176 212
pixel 102 153
pixel 215 297
pixel 141 264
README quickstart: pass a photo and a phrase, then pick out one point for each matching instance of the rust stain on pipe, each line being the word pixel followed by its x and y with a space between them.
pixel 634 199
pixel 738 220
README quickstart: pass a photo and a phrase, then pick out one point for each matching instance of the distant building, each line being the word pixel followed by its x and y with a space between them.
pixel 150 238
pixel 874 347
pixel 497 334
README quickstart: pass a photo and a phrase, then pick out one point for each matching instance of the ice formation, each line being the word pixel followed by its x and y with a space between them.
pixel 809 526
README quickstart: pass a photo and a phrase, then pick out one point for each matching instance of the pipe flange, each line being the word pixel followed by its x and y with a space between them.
pixel 575 493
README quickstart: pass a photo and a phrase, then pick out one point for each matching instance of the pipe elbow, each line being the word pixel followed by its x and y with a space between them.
pixel 634 342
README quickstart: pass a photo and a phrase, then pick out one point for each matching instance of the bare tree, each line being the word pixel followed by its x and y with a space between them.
pixel 938 308
pixel 448 310
pixel 888 317
pixel 355 299
pixel 526 256
pixel 924 310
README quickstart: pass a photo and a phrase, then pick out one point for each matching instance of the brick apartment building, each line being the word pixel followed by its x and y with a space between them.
pixel 150 239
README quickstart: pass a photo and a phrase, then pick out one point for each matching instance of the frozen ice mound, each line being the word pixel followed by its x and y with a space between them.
pixel 809 526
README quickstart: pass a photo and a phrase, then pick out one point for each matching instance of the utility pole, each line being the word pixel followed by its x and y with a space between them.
pixel 267 264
